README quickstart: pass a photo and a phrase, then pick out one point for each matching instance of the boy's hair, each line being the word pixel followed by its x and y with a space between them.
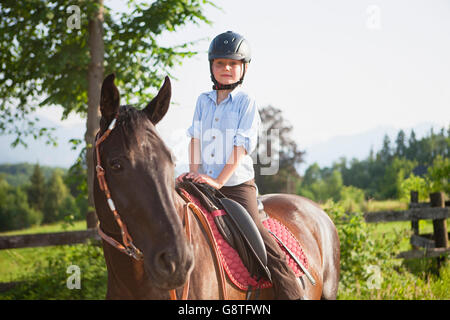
pixel 229 45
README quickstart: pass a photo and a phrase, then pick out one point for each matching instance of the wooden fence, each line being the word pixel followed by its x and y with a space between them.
pixel 44 240
pixel 433 245
pixel 47 239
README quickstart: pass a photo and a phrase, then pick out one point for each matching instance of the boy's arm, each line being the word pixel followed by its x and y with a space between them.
pixel 227 171
pixel 194 160
pixel 233 161
pixel 194 155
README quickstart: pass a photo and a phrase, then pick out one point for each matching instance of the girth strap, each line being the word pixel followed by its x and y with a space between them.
pixel 173 292
pixel 204 222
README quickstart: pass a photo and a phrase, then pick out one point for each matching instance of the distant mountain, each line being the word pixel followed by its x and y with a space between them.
pixel 351 146
pixel 358 146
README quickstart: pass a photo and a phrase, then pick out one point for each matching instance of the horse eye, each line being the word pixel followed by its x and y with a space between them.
pixel 115 165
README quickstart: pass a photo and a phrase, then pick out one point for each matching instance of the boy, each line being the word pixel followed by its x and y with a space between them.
pixel 223 135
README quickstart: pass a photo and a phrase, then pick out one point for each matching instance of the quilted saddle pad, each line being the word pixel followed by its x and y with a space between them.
pixel 232 263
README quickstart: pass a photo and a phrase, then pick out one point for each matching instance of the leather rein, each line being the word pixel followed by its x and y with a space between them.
pixel 127 245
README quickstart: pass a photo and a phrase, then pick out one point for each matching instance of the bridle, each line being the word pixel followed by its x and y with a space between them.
pixel 128 247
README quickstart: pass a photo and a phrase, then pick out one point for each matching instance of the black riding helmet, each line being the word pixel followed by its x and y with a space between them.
pixel 229 45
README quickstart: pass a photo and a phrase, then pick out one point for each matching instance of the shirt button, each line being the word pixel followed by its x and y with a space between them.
pixel 214 137
pixel 217 119
pixel 210 172
pixel 212 155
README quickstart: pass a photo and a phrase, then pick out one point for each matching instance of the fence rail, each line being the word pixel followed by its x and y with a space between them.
pixel 423 245
pixel 433 245
pixel 424 213
pixel 47 239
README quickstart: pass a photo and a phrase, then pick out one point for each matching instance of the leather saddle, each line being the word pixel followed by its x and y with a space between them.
pixel 237 226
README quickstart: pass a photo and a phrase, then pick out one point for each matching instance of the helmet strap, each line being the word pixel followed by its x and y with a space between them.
pixel 219 86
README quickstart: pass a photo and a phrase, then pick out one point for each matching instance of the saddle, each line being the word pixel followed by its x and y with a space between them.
pixel 236 226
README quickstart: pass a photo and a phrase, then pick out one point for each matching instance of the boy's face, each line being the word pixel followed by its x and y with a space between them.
pixel 227 71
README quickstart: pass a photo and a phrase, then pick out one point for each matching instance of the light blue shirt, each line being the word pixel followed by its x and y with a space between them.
pixel 234 122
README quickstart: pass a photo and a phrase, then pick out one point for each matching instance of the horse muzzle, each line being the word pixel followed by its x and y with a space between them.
pixel 170 268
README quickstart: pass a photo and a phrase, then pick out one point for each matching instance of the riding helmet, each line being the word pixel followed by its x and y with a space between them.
pixel 229 45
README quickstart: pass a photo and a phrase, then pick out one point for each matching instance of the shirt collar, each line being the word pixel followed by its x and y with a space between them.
pixel 235 92
pixel 213 94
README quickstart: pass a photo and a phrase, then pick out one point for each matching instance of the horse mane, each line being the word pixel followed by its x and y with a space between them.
pixel 130 119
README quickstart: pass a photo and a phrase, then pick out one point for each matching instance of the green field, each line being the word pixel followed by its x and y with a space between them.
pixel 14 262
pixel 46 267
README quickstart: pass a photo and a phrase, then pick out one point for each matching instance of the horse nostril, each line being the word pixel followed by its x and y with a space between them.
pixel 165 263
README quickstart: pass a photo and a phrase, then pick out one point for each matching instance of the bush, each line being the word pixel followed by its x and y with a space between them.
pixel 49 280
pixel 364 259
pixel 438 175
pixel 414 183
pixel 436 180
pixel 351 198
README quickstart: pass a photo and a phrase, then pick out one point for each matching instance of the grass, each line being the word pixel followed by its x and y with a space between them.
pixel 48 228
pixel 14 261
pixel 414 279
pixel 385 205
pixel 411 280
pixel 407 285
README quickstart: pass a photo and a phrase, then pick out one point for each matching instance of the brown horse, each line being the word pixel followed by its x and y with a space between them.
pixel 139 173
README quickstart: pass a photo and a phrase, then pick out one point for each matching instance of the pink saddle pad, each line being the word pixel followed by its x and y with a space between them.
pixel 232 263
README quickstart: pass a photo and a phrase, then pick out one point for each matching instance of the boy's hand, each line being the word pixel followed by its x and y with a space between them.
pixel 199 178
pixel 181 177
pixel 203 178
pixel 187 175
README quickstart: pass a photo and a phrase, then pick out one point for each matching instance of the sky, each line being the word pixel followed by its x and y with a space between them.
pixel 334 68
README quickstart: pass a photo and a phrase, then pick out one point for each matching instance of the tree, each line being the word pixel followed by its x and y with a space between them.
pixel 400 150
pixel 384 176
pixel 395 172
pixel 76 181
pixel 36 189
pixel 333 183
pixel 15 212
pixel 385 153
pixel 439 174
pixel 55 53
pixel 321 184
pixel 312 174
pixel 279 148
pixel 57 198
pixel 413 147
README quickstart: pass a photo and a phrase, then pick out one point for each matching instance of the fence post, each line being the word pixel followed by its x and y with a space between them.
pixel 439 225
pixel 414 223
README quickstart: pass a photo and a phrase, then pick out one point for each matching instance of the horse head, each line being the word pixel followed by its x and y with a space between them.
pixel 139 172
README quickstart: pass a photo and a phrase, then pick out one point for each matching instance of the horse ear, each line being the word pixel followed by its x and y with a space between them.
pixel 110 98
pixel 157 108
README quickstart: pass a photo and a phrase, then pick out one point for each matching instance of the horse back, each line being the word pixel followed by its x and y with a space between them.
pixel 315 232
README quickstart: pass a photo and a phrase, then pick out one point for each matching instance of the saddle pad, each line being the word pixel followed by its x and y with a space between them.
pixel 232 263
